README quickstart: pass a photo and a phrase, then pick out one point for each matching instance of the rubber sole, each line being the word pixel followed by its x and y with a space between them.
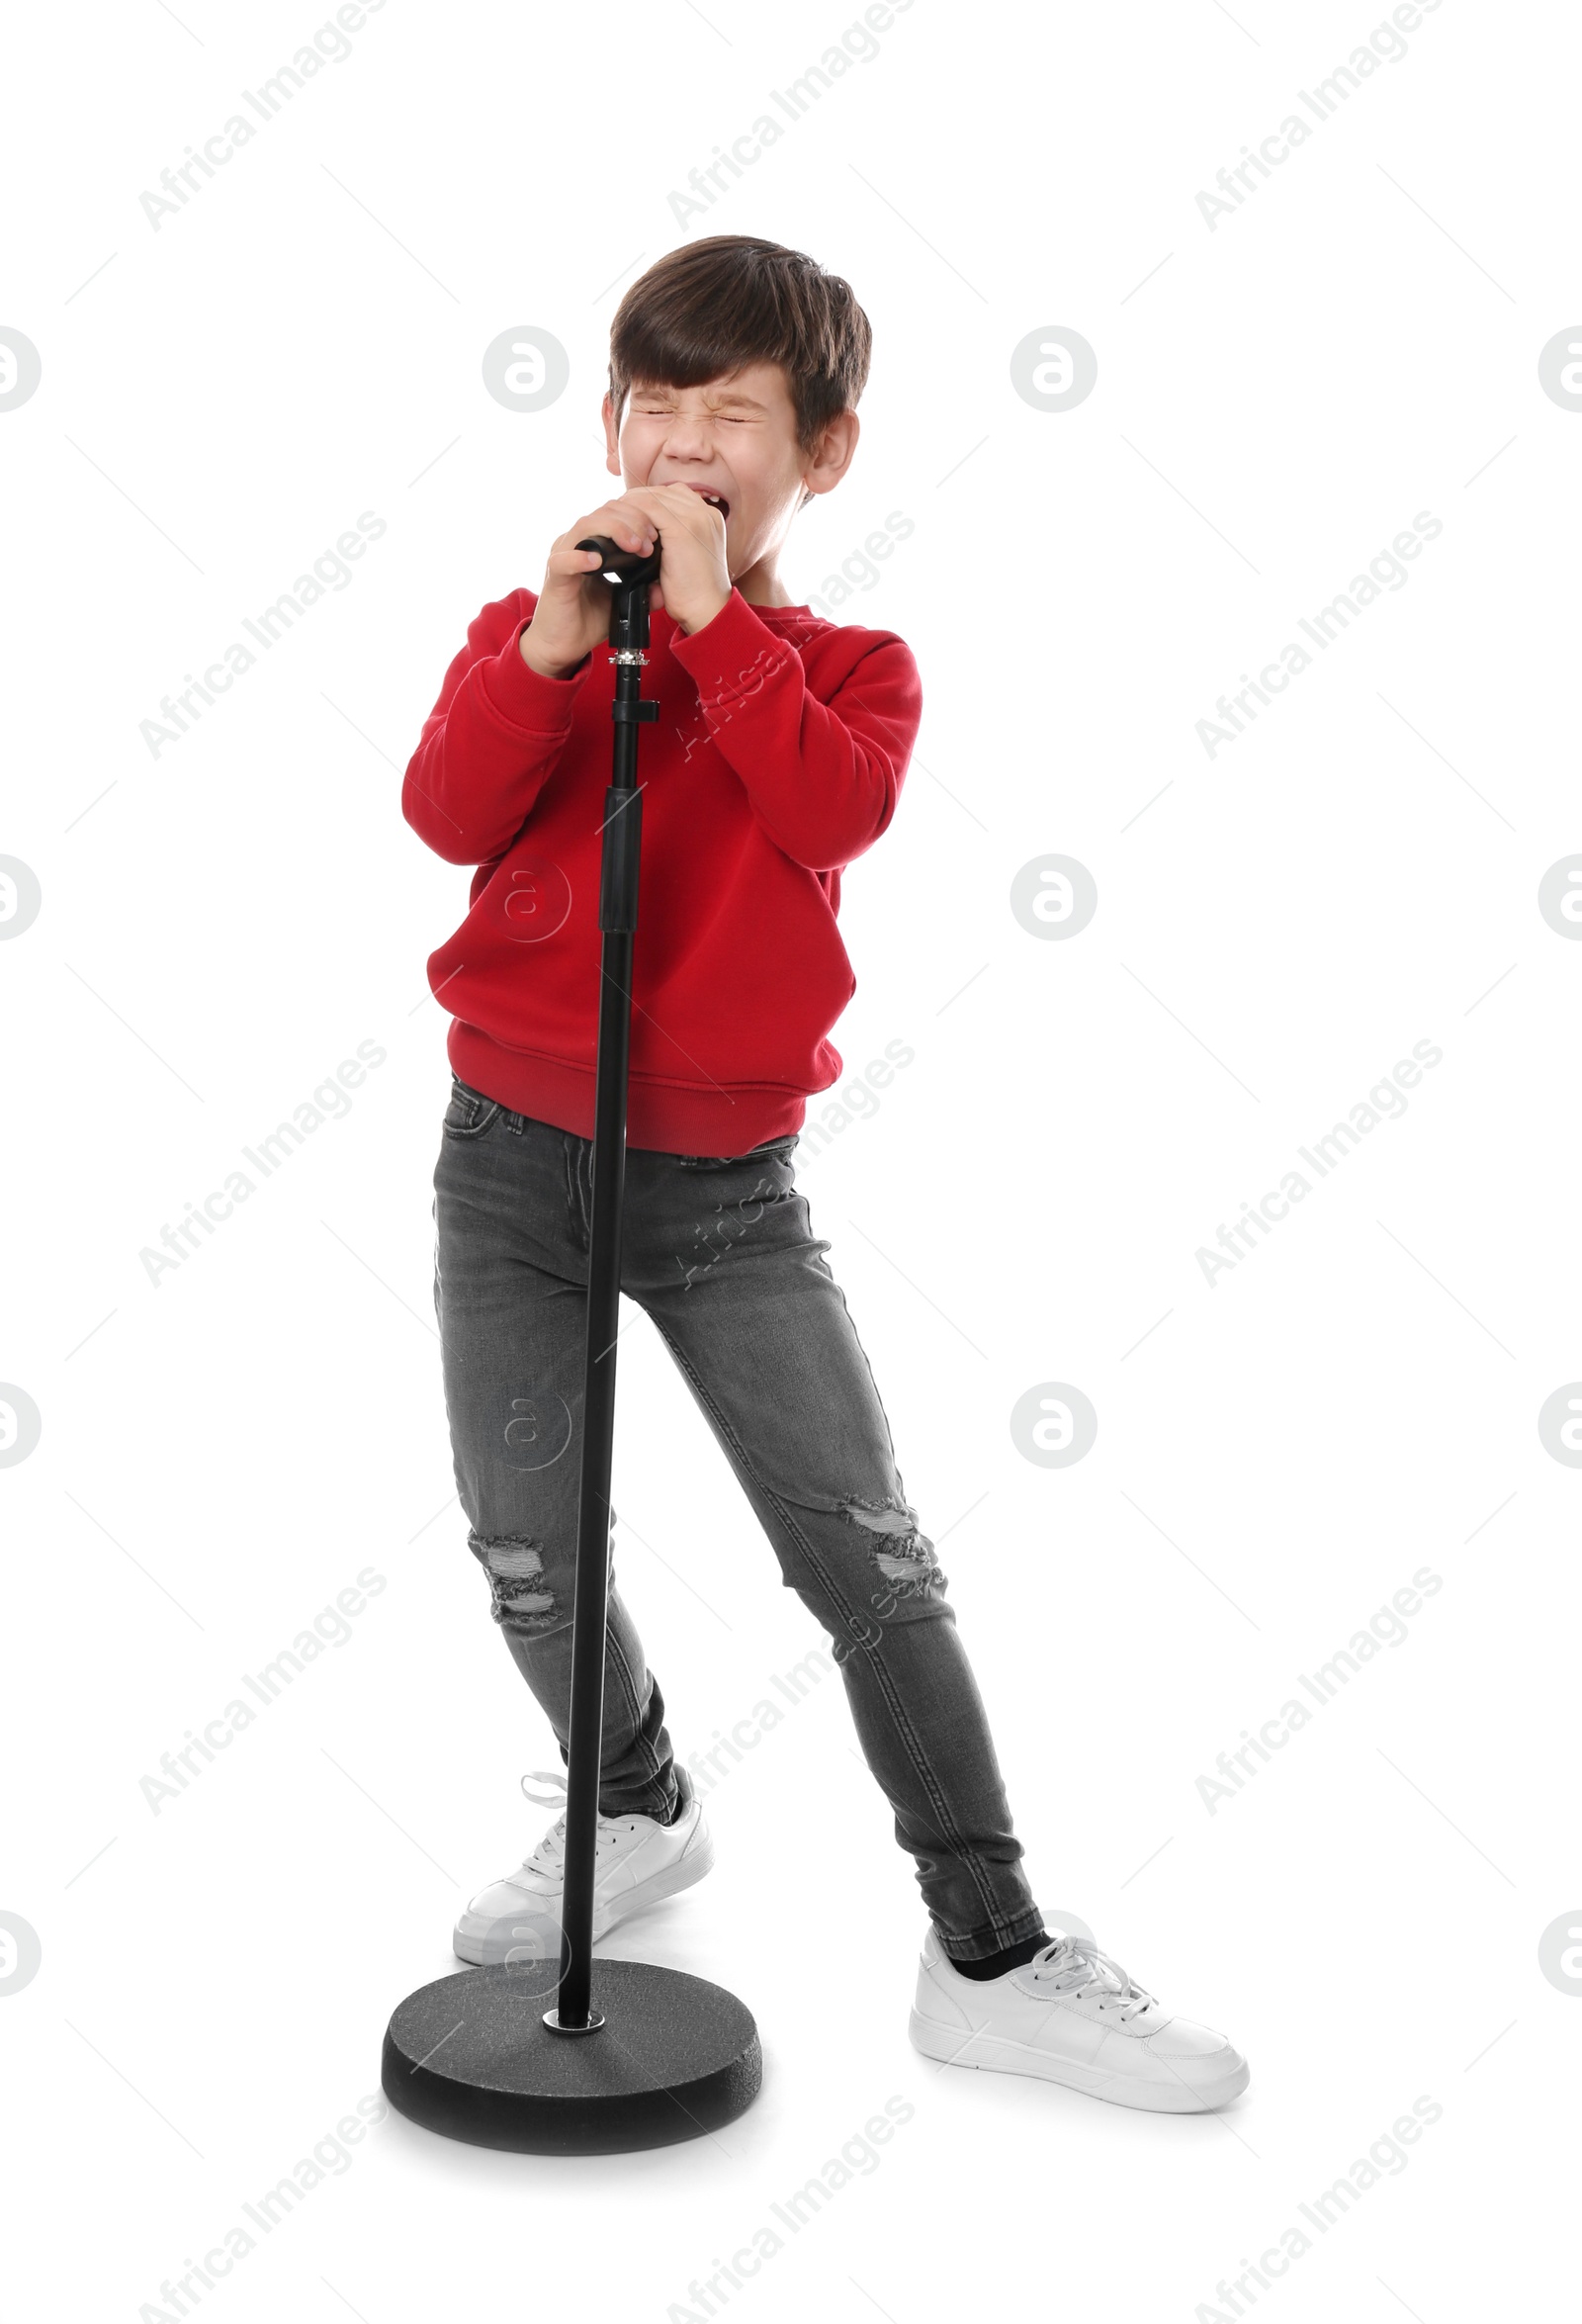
pixel 989 2053
pixel 684 1873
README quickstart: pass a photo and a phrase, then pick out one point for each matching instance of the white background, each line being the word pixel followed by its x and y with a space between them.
pixel 1275 1455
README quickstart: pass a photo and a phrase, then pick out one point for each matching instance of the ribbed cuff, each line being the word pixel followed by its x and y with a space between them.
pixel 524 698
pixel 733 653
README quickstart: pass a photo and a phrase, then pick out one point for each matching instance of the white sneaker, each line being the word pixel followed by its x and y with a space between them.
pixel 637 1861
pixel 1073 2015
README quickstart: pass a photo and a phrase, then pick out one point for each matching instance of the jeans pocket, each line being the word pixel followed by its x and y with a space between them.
pixel 468 1113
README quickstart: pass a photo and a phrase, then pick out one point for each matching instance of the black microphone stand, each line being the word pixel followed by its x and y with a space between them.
pixel 663 2056
pixel 629 577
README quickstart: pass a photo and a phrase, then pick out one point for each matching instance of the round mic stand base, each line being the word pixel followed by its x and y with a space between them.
pixel 471 2058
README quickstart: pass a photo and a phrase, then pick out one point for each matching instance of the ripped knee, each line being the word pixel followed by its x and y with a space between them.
pixel 904 1556
pixel 515 1570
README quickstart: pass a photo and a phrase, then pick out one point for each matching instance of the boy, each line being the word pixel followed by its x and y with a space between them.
pixel 777 758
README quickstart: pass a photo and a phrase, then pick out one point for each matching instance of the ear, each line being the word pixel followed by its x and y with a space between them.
pixel 833 454
pixel 612 455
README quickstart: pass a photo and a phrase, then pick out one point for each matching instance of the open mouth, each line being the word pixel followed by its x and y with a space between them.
pixel 713 499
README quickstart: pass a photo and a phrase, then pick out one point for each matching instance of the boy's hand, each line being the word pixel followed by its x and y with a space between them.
pixel 694 579
pixel 573 614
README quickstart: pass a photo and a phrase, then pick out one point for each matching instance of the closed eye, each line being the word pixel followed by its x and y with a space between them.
pixel 664 411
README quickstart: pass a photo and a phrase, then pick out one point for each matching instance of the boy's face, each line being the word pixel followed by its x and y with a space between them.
pixel 735 438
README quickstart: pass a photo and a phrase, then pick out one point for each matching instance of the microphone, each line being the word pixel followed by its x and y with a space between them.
pixel 622 569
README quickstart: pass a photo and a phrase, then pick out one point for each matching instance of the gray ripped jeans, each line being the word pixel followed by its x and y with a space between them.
pixel 721 1257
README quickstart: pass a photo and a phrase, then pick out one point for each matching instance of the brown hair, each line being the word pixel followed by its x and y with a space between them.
pixel 715 305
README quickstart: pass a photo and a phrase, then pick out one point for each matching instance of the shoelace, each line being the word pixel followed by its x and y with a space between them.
pixel 1075 1966
pixel 549 1856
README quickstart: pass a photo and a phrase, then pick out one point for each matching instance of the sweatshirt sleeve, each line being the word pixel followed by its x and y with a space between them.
pixel 823 778
pixel 490 741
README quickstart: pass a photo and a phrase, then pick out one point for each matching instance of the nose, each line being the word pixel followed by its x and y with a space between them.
pixel 687 437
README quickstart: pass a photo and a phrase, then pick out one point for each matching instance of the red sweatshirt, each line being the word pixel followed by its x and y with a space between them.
pixel 777 758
